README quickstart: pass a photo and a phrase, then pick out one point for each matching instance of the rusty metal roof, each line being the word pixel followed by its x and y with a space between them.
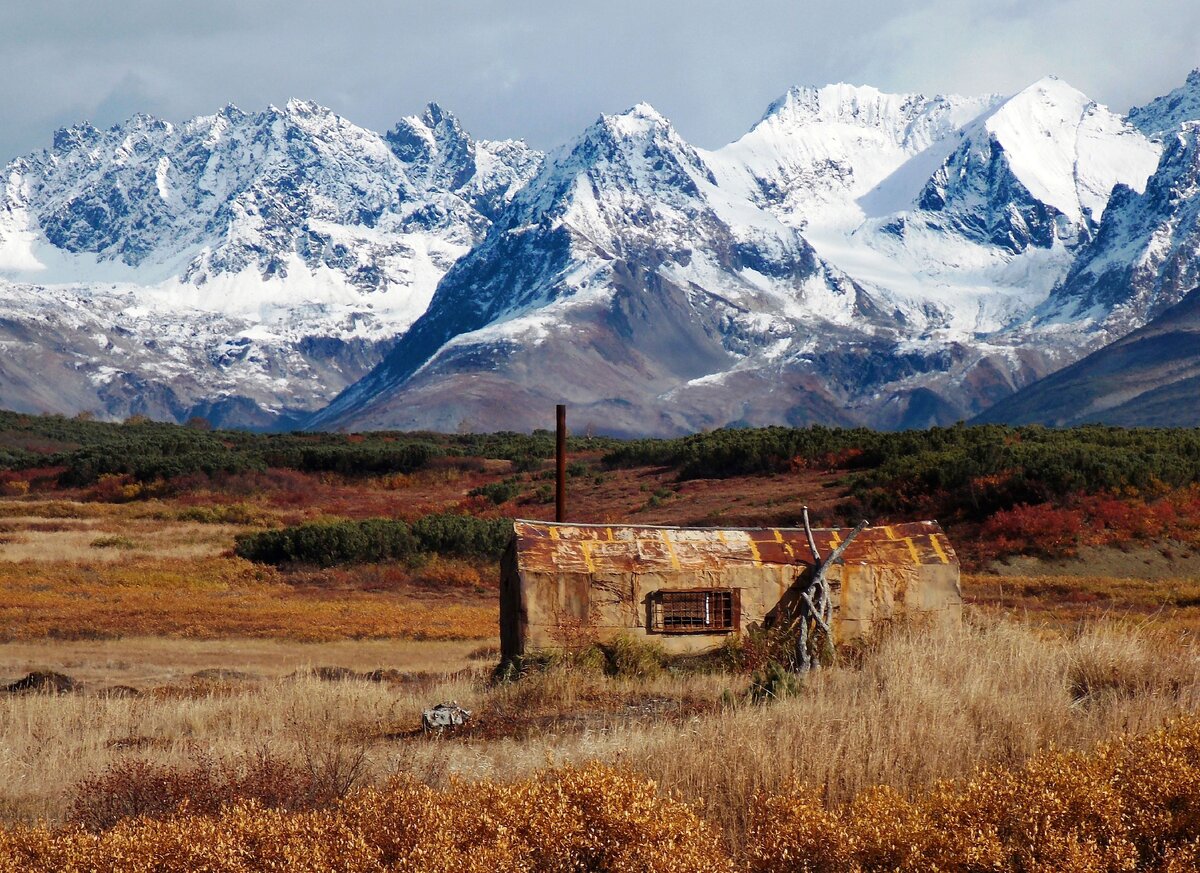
pixel 589 548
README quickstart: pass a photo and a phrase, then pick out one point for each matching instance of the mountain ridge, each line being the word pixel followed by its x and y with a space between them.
pixel 857 257
pixel 894 357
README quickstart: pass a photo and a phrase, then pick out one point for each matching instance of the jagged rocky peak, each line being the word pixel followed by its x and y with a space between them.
pixel 1038 170
pixel 81 135
pixel 436 151
pixel 1166 113
pixel 637 127
pixel 1068 150
pixel 439 155
pixel 643 143
pixel 896 115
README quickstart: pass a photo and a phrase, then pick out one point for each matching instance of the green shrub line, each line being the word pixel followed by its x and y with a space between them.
pixel 373 540
pixel 969 472
pixel 958 473
pixel 83 450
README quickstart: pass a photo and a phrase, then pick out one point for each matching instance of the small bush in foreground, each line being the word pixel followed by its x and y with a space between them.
pixel 133 788
pixel 632 658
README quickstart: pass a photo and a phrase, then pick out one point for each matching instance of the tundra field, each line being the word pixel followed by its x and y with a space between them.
pixel 216 648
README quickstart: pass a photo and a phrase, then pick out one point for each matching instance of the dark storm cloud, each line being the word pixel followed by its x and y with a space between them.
pixel 543 69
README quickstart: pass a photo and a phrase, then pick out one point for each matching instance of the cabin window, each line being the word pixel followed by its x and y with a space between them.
pixel 694 612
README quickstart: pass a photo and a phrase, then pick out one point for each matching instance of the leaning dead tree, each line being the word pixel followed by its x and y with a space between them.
pixel 814 617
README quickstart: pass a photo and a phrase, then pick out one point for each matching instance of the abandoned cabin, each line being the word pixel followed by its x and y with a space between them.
pixel 691 588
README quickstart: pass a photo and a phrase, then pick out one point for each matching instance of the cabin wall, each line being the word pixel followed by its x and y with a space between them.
pixel 563 609
pixel 867 596
pixel 512 610
pixel 556 610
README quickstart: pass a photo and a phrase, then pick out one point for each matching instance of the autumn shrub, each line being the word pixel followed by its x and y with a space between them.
pixel 498 492
pixel 113 542
pixel 14 488
pixel 448 573
pixel 773 681
pixel 378 457
pixel 592 818
pixel 1132 804
pixel 463 536
pixel 226 513
pixel 135 788
pixel 1049 531
pixel 326 544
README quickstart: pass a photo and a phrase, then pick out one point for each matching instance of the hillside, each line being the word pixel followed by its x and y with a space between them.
pixel 1150 378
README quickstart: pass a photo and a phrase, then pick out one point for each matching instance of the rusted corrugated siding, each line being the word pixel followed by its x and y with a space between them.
pixel 569 548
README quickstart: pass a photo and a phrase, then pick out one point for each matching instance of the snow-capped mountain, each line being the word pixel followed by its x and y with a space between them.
pixel 814 302
pixel 250 261
pixel 1142 268
pixel 856 258
pixel 818 152
pixel 621 272
pixel 997 224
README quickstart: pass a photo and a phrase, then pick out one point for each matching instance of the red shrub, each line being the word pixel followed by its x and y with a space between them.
pixel 1046 530
pixel 138 788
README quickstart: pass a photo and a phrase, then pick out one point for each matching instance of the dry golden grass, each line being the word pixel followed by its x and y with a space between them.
pixel 49 743
pixel 1067 601
pixel 92 540
pixel 208 598
pixel 1132 803
pixel 919 708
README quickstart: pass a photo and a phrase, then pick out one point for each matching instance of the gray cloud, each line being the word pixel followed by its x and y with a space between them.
pixel 542 69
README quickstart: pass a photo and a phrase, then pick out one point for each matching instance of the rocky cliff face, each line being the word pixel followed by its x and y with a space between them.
pixel 1146 255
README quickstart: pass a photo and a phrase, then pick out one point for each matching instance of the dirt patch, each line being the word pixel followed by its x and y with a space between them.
pixel 345 674
pixel 623 712
pixel 1165 560
pixel 119 691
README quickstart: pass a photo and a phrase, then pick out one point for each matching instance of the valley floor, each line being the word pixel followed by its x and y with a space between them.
pixel 191 667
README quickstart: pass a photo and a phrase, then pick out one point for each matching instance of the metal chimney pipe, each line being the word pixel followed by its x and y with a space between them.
pixel 560 457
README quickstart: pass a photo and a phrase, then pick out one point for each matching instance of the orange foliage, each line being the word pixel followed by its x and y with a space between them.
pixel 211 598
pixel 1041 529
pixel 1132 804
pixel 589 818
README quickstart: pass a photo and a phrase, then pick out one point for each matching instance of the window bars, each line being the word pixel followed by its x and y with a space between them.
pixel 694 611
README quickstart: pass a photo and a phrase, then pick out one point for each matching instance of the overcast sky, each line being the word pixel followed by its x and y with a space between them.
pixel 543 69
